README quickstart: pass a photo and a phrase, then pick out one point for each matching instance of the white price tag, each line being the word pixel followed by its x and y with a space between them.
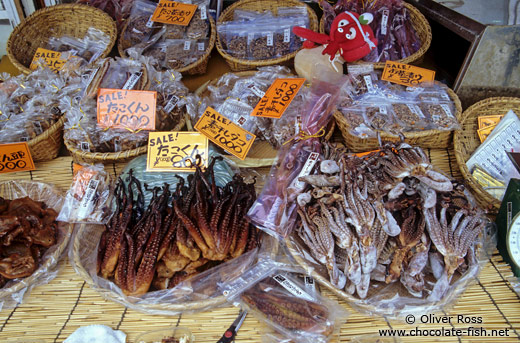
pixel 200 46
pixel 132 80
pixel 203 12
pixel 368 82
pixel 171 104
pixel 306 170
pixel 270 39
pixel 149 23
pixel 384 22
pixel 187 45
pixel 292 287
pixel 287 35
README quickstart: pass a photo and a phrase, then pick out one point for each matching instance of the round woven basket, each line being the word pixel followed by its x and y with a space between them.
pixel 197 67
pixel 466 141
pixel 421 26
pixel 53 197
pixel 238 64
pixel 84 247
pixel 425 139
pixel 47 146
pixel 56 21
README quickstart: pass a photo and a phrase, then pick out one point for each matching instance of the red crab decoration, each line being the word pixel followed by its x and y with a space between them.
pixel 349 35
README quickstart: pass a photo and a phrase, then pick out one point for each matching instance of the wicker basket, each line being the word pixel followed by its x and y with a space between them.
pixel 421 26
pixel 84 247
pixel 53 197
pixel 237 64
pixel 55 21
pixel 466 141
pixel 424 139
pixel 197 67
pixel 47 146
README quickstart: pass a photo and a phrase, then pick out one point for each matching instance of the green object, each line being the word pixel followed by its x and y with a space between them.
pixel 508 223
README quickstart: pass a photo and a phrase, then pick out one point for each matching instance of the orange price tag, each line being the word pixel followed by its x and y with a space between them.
pixel 171 12
pixel 277 98
pixel 406 75
pixel 224 133
pixel 52 58
pixel 126 109
pixel 176 151
pixel 15 157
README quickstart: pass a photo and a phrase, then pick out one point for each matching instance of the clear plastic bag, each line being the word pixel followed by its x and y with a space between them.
pixel 14 291
pixel 180 53
pixel 234 38
pixel 88 199
pixel 139 27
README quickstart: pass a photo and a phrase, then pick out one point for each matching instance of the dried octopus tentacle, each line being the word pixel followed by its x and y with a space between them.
pixel 192 229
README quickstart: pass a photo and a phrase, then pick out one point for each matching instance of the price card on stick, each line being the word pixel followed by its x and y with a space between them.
pixel 15 157
pixel 278 97
pixel 405 74
pixel 171 12
pixel 176 151
pixel 52 58
pixel 126 109
pixel 224 133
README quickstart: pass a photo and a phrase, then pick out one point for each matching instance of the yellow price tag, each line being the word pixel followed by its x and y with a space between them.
pixel 176 151
pixel 15 157
pixel 485 121
pixel 224 133
pixel 171 12
pixel 52 58
pixel 278 97
pixel 406 75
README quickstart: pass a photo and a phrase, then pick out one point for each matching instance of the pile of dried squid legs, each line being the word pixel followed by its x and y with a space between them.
pixel 388 217
pixel 179 234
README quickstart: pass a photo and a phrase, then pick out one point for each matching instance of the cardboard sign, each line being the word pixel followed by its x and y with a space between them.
pixel 224 133
pixel 15 157
pixel 405 74
pixel 52 58
pixel 485 121
pixel 171 12
pixel 126 109
pixel 176 151
pixel 485 132
pixel 277 98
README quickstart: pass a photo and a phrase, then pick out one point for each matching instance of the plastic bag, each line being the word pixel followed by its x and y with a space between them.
pixel 139 26
pixel 14 291
pixel 87 200
pixel 179 53
pixel 275 209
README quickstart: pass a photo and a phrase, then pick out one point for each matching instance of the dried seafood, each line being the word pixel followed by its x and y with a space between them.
pixel 27 229
pixel 389 213
pixel 181 233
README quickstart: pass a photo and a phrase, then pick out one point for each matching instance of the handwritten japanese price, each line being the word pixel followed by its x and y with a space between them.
pixel 171 12
pixel 226 134
pixel 51 58
pixel 127 109
pixel 15 157
pixel 277 98
pixel 405 74
pixel 176 151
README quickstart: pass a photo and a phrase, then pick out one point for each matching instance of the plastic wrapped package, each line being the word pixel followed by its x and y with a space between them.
pixel 381 117
pixel 198 28
pixel 180 53
pixel 275 209
pixel 139 26
pixel 234 38
pixel 15 290
pixel 88 197
pixel 410 116
pixel 357 120
pixel 118 73
pixel 406 246
pixel 260 41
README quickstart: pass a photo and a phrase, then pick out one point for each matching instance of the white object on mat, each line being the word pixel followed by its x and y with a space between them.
pixel 96 334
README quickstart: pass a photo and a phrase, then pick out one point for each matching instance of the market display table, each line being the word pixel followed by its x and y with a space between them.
pixel 53 311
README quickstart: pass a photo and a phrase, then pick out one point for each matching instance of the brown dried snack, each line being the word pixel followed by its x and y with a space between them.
pixel 136 32
pixel 174 32
pixel 237 46
pixel 440 114
pixel 281 46
pixel 410 115
pixel 354 118
pixel 198 28
pixel 259 49
pixel 158 52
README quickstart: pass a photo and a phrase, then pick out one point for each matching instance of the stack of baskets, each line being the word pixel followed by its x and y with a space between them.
pixel 239 64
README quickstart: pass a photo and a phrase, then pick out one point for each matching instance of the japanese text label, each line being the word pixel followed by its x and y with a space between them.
pixel 52 58
pixel 127 109
pixel 15 157
pixel 171 12
pixel 405 74
pixel 277 98
pixel 224 133
pixel 176 151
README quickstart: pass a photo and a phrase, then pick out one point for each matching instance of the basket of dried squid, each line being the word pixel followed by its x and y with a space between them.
pixel 185 49
pixel 90 142
pixel 169 243
pixel 32 241
pixel 234 95
pixel 387 231
pixel 403 33
pixel 426 115
pixel 254 33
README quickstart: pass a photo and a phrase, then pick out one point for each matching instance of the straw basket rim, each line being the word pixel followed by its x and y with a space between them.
pixel 113 296
pixel 425 32
pixel 86 11
pixel 53 137
pixel 251 64
pixel 194 66
pixel 411 135
pixel 53 259
pixel 462 156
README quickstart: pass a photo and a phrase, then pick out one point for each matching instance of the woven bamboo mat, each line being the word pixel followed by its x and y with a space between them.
pixel 53 311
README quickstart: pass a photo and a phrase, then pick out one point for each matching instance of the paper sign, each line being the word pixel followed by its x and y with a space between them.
pixel 484 121
pixel 405 74
pixel 176 151
pixel 52 58
pixel 485 132
pixel 15 157
pixel 224 133
pixel 126 109
pixel 277 98
pixel 171 12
